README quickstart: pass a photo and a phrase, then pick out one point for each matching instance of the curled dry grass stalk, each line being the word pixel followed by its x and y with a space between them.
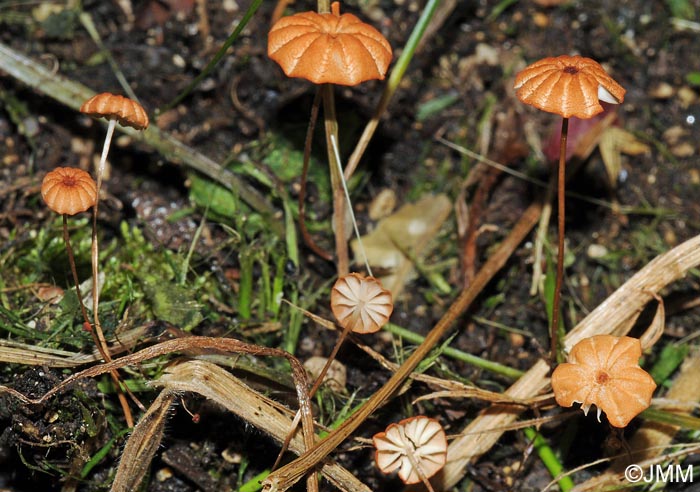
pixel 215 383
pixel 225 345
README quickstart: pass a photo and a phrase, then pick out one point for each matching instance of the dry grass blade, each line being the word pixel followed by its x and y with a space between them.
pixel 13 352
pixel 623 305
pixel 226 345
pixel 142 444
pixel 215 383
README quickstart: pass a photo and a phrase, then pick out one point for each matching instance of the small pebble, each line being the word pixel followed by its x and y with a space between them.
pixel 596 251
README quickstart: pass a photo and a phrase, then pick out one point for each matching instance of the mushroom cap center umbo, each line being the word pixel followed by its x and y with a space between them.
pixel 602 377
pixel 69 181
pixel 571 69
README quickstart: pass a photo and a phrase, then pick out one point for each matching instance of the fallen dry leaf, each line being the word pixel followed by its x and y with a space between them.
pixel 404 233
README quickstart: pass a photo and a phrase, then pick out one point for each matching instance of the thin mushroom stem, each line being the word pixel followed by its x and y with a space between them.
pixel 93 333
pixel 331 125
pixel 561 197
pixel 308 239
pixel 98 334
pixel 95 245
pixel 74 271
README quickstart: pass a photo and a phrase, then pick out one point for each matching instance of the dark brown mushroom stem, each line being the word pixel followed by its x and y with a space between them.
pixel 561 196
pixel 305 235
pixel 74 271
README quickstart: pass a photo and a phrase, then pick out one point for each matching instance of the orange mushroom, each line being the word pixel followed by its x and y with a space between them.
pixel 361 303
pixel 126 111
pixel 329 48
pixel 416 447
pixel 604 371
pixel 68 190
pixel 568 86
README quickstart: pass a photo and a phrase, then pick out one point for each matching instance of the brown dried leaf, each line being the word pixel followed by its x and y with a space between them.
pixel 409 230
pixel 613 143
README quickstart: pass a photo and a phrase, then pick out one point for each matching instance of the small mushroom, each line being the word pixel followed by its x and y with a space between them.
pixel 68 190
pixel 567 86
pixel 329 48
pixel 361 303
pixel 604 371
pixel 115 109
pixel 416 447
pixel 126 111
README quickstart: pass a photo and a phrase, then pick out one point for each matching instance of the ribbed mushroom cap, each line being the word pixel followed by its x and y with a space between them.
pixel 568 86
pixel 421 436
pixel 67 190
pixel 329 48
pixel 361 303
pixel 113 106
pixel 604 371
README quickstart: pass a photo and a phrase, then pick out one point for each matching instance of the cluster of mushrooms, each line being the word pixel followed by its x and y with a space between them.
pixel 330 48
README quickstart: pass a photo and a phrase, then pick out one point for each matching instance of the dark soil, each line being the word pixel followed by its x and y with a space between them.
pixel 469 60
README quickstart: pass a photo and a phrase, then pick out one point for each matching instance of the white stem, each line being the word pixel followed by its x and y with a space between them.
pixel 105 151
pixel 347 197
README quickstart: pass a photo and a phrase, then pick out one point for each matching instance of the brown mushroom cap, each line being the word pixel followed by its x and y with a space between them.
pixel 113 106
pixel 423 437
pixel 604 371
pixel 67 190
pixel 329 48
pixel 568 86
pixel 361 303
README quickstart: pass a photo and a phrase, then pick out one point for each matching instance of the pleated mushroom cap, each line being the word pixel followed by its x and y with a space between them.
pixel 423 437
pixel 113 106
pixel 603 370
pixel 567 86
pixel 67 190
pixel 329 48
pixel 361 303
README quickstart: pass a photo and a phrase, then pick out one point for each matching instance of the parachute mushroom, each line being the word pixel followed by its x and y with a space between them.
pixel 126 112
pixel 567 86
pixel 603 370
pixel 329 48
pixel 416 447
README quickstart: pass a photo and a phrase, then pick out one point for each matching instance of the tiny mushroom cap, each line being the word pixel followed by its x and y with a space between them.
pixel 113 106
pixel 603 370
pixel 421 437
pixel 568 86
pixel 68 190
pixel 361 303
pixel 329 48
